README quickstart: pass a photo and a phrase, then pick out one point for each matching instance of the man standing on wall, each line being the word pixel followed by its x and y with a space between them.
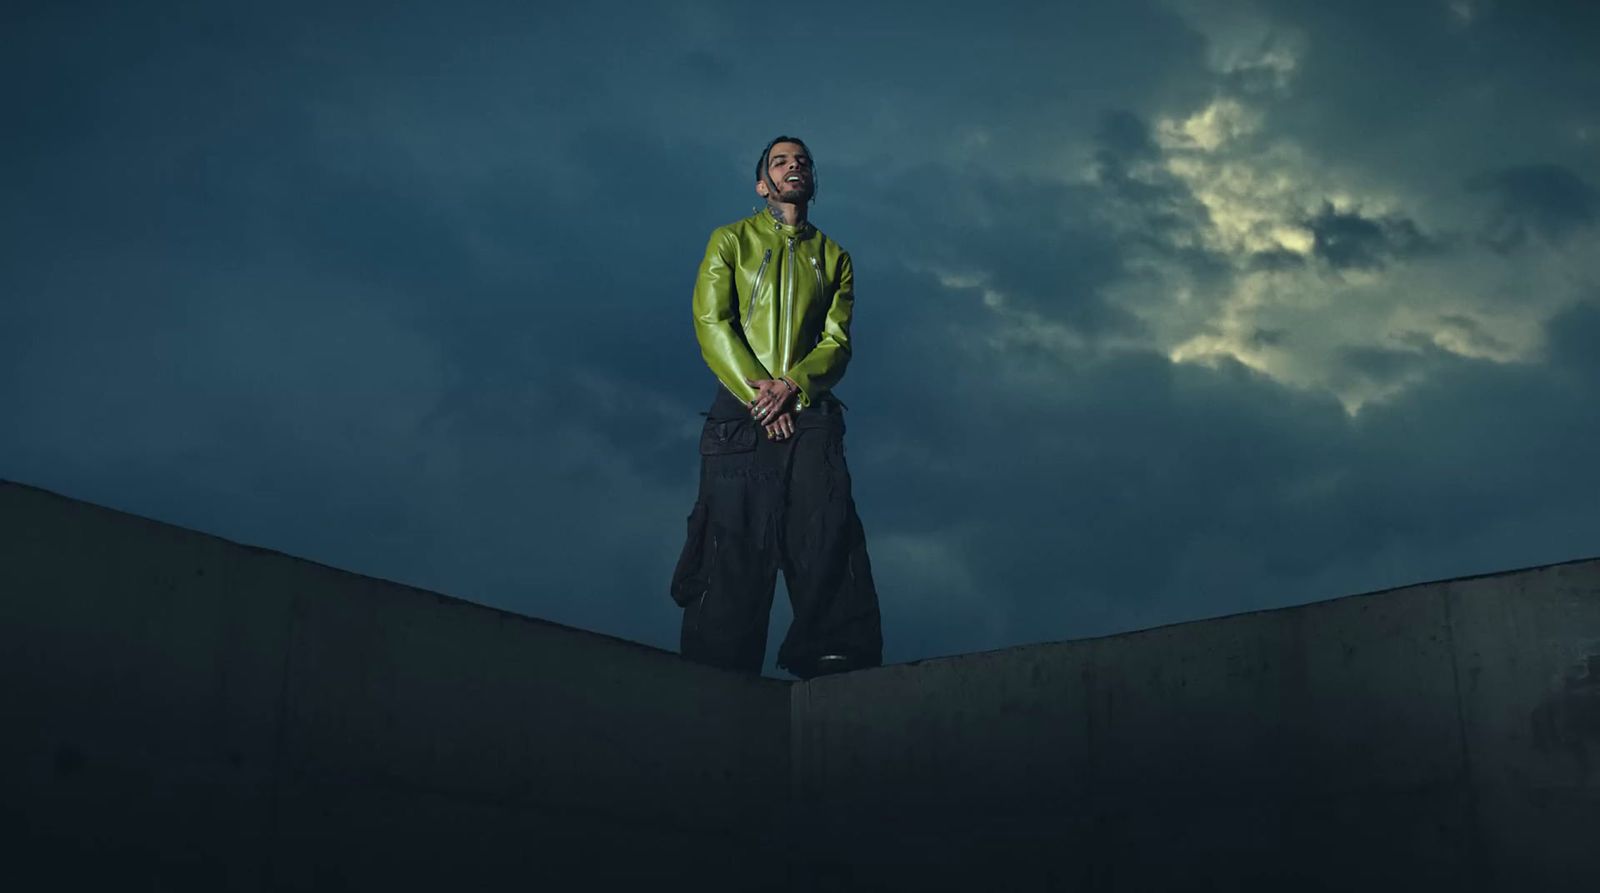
pixel 772 308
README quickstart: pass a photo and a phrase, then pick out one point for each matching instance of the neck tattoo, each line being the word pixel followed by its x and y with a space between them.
pixel 777 211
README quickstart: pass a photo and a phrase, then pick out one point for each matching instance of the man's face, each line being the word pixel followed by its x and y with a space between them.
pixel 788 168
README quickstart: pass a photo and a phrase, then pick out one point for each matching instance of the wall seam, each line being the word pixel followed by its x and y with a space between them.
pixel 1469 779
pixel 800 805
pixel 280 747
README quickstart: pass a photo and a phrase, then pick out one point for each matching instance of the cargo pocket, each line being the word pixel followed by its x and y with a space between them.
pixel 692 575
pixel 721 437
pixel 727 450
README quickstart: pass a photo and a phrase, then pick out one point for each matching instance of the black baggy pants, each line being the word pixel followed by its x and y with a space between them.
pixel 766 506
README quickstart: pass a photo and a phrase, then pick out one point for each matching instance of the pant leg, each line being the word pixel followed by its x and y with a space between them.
pixel 825 562
pixel 725 578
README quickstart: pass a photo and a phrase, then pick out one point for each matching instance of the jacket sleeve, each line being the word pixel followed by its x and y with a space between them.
pixel 716 321
pixel 821 369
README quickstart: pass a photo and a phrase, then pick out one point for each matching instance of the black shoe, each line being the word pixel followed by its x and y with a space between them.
pixel 826 665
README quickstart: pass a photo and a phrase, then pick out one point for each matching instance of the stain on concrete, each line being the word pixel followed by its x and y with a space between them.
pixel 69 761
pixel 1568 719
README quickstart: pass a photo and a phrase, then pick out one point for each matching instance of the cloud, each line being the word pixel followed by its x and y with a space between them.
pixel 1134 491
pixel 1543 200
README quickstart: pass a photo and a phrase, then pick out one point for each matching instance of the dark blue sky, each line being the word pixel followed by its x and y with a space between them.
pixel 1165 310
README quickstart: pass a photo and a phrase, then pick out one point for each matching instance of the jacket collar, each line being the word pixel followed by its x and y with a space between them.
pixel 764 219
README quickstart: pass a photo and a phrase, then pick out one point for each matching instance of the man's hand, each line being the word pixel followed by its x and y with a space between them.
pixel 773 397
pixel 780 428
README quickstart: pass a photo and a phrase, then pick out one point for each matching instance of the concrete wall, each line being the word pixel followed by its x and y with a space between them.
pixel 1443 736
pixel 184 713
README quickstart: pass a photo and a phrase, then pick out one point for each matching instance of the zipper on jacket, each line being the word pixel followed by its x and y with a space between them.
pixel 759 273
pixel 788 308
pixel 755 291
pixel 816 267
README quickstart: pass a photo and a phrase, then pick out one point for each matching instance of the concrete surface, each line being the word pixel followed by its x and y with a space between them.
pixel 185 713
pixel 1441 736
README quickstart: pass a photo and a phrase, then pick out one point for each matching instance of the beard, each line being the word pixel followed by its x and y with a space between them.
pixel 790 193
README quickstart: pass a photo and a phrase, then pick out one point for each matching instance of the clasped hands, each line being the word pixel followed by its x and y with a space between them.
pixel 773 407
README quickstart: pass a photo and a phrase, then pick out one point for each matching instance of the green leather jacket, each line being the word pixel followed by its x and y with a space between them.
pixel 774 301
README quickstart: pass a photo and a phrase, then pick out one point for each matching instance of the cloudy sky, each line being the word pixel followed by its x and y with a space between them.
pixel 1165 310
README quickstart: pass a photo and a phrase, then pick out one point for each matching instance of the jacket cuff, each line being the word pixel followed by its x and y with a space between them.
pixel 803 386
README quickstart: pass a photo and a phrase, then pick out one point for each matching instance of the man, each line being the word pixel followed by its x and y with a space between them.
pixel 772 308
